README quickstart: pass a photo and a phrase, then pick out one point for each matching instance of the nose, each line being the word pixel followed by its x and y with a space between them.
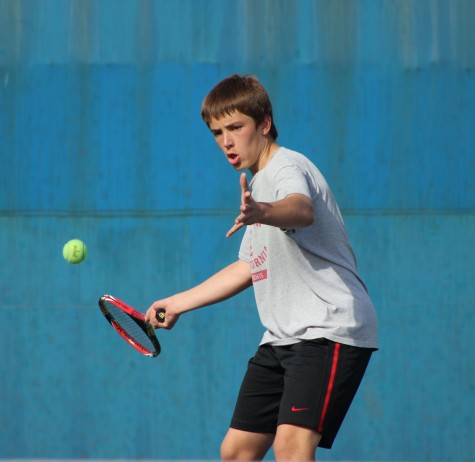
pixel 227 140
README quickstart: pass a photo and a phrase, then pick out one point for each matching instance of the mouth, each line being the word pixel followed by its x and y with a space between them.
pixel 233 158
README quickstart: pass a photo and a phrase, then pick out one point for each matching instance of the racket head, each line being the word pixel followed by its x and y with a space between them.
pixel 130 325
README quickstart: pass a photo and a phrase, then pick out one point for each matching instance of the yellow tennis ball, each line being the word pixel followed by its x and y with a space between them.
pixel 74 251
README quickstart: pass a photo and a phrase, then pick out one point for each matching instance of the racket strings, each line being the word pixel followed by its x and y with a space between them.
pixel 131 327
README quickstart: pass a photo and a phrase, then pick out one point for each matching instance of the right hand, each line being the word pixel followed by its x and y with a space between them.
pixel 171 315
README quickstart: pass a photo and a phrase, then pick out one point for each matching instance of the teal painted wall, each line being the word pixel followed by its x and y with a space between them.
pixel 100 138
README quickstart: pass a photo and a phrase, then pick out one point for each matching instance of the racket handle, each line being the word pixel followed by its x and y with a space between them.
pixel 160 315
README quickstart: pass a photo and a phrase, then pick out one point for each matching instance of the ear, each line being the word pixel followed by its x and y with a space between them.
pixel 266 125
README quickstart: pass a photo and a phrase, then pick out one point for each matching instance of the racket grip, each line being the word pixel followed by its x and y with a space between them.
pixel 160 315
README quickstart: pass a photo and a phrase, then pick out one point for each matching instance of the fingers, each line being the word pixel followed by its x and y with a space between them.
pixel 243 182
pixel 235 228
pixel 245 192
pixel 162 314
pixel 156 315
pixel 246 203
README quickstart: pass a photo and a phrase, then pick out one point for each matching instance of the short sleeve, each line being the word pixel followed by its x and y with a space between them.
pixel 291 180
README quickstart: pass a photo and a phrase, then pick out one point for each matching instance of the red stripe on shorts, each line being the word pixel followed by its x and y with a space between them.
pixel 330 386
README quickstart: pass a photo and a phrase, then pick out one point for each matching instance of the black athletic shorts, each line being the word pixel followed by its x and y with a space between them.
pixel 310 384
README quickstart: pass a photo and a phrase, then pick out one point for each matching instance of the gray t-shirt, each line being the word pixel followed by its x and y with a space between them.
pixel 305 280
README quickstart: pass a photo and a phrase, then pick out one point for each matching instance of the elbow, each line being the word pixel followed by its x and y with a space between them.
pixel 307 217
pixel 304 213
pixel 309 220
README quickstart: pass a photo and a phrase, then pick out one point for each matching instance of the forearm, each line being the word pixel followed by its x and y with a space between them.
pixel 294 211
pixel 221 286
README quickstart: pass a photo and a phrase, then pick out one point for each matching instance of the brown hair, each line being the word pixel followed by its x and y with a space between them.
pixel 239 93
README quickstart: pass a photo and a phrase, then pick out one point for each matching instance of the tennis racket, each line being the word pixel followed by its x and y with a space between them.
pixel 131 326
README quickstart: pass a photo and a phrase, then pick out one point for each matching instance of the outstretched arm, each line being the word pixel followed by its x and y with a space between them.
pixel 294 211
pixel 221 286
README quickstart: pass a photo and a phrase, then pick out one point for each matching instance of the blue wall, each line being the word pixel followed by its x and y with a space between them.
pixel 100 138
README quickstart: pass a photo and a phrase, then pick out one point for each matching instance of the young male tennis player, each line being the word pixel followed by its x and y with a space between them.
pixel 321 327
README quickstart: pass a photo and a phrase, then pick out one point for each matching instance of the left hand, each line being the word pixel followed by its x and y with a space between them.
pixel 250 210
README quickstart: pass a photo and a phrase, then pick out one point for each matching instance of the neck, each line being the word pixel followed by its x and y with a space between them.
pixel 270 146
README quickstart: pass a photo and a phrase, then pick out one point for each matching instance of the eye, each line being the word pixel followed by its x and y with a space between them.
pixel 216 133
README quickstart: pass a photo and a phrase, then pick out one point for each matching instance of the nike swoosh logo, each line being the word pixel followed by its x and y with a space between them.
pixel 300 409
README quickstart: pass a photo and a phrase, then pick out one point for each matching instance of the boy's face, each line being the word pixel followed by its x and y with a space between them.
pixel 244 145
